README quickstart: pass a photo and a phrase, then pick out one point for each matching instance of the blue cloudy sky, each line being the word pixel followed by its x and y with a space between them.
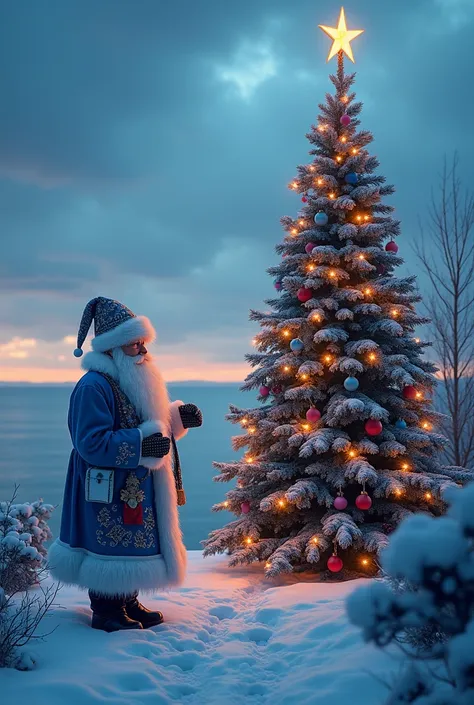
pixel 146 148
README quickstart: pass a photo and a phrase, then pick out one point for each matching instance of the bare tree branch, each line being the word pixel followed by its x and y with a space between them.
pixel 446 254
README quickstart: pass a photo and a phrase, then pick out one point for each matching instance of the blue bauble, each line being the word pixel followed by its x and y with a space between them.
pixel 401 423
pixel 351 178
pixel 351 384
pixel 321 218
pixel 296 345
pixel 78 352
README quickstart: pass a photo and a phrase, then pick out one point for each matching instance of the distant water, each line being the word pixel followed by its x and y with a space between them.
pixel 35 448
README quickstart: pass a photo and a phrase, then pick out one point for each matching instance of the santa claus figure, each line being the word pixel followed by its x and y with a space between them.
pixel 120 529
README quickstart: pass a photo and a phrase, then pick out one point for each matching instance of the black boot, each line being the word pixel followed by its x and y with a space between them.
pixel 137 611
pixel 108 614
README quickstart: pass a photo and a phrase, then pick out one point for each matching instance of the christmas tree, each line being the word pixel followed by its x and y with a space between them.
pixel 343 445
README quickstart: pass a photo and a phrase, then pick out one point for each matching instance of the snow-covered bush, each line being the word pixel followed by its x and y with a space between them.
pixel 435 558
pixel 23 532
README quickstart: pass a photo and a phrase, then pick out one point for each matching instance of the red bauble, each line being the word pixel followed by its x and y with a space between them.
pixel 409 392
pixel 345 120
pixel 304 199
pixel 373 427
pixel 309 248
pixel 363 501
pixel 340 503
pixel 264 391
pixel 276 390
pixel 313 415
pixel 335 564
pixel 245 507
pixel 304 294
pixel 391 246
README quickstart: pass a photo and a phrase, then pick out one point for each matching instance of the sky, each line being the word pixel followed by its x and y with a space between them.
pixel 146 148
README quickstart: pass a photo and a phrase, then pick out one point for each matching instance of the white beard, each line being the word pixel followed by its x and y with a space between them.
pixel 141 380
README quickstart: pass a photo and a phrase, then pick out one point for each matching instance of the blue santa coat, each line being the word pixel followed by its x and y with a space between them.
pixel 96 550
pixel 98 440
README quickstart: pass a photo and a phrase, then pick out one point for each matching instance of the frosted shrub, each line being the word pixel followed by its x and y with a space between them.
pixel 434 557
pixel 23 531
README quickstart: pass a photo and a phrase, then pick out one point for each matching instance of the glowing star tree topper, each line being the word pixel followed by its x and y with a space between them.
pixel 342 37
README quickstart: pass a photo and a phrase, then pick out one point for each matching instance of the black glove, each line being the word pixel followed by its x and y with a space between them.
pixel 191 416
pixel 155 446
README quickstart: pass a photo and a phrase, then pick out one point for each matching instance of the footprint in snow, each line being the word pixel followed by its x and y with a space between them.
pixel 268 615
pixel 223 612
pixel 260 635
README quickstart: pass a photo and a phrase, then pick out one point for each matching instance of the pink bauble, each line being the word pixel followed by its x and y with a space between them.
pixel 340 503
pixel 304 294
pixel 335 564
pixel 345 120
pixel 245 507
pixel 309 248
pixel 363 501
pixel 313 415
pixel 276 390
pixel 278 286
pixel 264 391
pixel 391 246
pixel 373 427
pixel 409 392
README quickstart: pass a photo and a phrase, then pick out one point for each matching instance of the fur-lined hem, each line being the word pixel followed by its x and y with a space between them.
pixel 138 328
pixel 109 575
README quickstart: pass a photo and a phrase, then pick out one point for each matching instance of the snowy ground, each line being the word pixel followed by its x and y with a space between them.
pixel 230 636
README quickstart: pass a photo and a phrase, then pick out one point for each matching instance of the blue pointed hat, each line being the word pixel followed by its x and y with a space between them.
pixel 114 325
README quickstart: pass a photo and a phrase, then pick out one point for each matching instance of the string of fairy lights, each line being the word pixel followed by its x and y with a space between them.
pixel 288 337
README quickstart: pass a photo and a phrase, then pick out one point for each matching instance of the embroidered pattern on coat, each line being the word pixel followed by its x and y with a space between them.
pixel 125 452
pixel 114 533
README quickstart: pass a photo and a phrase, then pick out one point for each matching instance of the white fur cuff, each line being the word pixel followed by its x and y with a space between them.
pixel 152 463
pixel 177 427
pixel 148 428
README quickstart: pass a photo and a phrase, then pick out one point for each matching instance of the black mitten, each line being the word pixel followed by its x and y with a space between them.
pixel 191 416
pixel 155 446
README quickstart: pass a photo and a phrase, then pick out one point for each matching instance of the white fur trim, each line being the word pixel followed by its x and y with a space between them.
pixel 177 428
pixel 107 575
pixel 121 574
pixel 99 362
pixel 138 328
pixel 152 463
pixel 148 428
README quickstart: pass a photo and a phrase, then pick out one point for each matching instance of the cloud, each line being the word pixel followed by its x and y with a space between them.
pixel 250 67
pixel 145 151
pixel 18 348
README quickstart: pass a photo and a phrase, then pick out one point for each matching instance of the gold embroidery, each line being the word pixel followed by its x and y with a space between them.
pixel 125 452
pixel 103 517
pixel 149 520
pixel 132 494
pixel 141 538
